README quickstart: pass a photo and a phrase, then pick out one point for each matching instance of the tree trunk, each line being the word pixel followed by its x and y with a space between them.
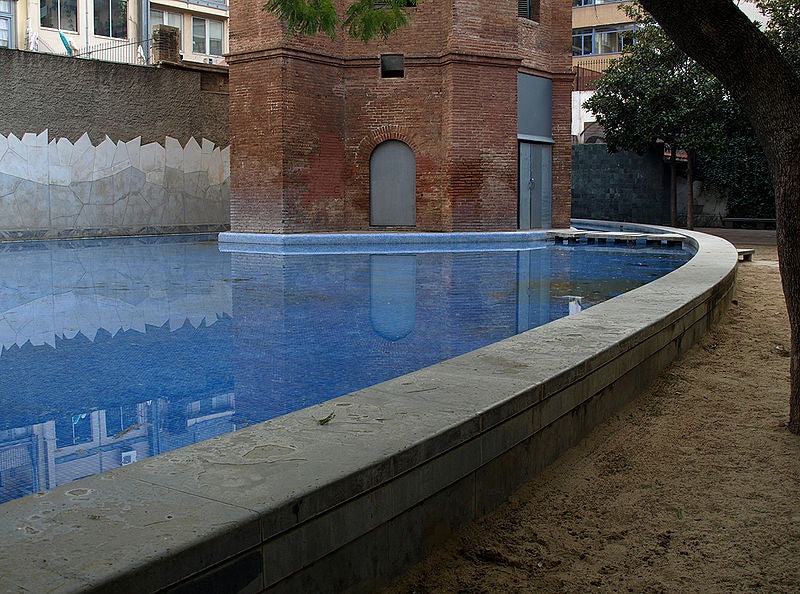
pixel 787 191
pixel 690 190
pixel 724 41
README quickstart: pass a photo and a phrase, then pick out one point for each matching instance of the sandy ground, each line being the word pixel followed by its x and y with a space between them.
pixel 693 487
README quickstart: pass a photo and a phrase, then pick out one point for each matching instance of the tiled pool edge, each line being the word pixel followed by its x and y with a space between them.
pixel 299 506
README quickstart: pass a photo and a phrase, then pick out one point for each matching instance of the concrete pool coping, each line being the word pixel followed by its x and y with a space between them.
pixel 295 505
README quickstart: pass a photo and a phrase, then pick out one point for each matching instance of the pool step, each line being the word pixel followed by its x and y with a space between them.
pixel 613 237
pixel 574 236
pixel 568 235
pixel 668 238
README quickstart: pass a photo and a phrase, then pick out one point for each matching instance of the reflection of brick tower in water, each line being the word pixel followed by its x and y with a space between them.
pixel 459 122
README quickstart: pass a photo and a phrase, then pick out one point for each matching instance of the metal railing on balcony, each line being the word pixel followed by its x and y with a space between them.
pixel 123 51
pixel 588 71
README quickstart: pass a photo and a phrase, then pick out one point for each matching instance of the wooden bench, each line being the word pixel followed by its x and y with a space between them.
pixel 746 255
pixel 732 222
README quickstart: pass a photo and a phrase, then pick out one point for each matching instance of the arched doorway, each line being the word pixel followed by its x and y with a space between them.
pixel 392 185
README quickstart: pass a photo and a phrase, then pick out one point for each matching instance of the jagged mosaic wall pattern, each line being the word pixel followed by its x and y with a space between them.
pixel 54 188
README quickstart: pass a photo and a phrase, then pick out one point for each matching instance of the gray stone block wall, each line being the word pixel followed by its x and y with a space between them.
pixel 620 186
pixel 73 96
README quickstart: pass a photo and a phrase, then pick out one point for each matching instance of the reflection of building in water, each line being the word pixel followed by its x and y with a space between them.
pixel 322 325
pixel 110 351
pixel 57 290
pixel 393 295
pixel 44 455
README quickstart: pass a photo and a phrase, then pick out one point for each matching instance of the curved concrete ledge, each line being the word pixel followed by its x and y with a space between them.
pixel 295 506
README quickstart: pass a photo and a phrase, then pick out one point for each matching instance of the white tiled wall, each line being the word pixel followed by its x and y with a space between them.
pixel 54 188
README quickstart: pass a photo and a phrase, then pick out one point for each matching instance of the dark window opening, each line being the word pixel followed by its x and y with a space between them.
pixel 59 14
pixel 111 18
pixel 528 9
pixel 392 66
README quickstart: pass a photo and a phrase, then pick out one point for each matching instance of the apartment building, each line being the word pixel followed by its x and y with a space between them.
pixel 600 30
pixel 203 27
pixel 114 30
pixel 600 33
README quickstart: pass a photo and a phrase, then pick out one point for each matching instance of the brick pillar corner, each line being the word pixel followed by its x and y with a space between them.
pixel 165 44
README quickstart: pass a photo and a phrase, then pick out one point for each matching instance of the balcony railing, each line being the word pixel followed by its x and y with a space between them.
pixel 587 72
pixel 123 51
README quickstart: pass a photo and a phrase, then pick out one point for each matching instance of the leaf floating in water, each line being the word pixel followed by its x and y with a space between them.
pixel 327 419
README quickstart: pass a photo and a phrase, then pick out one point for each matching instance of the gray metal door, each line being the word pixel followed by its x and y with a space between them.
pixel 535 185
pixel 393 185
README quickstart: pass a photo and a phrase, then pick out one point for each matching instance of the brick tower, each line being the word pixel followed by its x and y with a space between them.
pixel 459 122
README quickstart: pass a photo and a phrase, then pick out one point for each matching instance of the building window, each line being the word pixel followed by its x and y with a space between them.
pixel 74 430
pixel 59 14
pixel 111 18
pixel 6 26
pixel 171 19
pixel 601 40
pixel 577 3
pixel 528 9
pixel 206 37
pixel 392 66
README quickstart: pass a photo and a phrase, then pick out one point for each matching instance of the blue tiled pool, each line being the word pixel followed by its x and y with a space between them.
pixel 118 349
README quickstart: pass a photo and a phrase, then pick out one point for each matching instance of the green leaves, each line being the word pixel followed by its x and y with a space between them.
pixel 740 174
pixel 365 19
pixel 783 26
pixel 306 17
pixel 655 92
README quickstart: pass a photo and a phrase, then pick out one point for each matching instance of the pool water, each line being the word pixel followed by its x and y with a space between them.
pixel 118 349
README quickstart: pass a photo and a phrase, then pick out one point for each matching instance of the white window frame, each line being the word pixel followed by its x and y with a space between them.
pixel 7 17
pixel 207 36
pixel 110 32
pixel 593 33
pixel 167 16
pixel 59 26
pixel 581 3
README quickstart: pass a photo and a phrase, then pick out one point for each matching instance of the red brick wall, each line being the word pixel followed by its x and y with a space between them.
pixel 482 145
pixel 562 151
pixel 307 113
pixel 409 109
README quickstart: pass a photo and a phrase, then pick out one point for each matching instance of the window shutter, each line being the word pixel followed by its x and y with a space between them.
pixel 522 8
